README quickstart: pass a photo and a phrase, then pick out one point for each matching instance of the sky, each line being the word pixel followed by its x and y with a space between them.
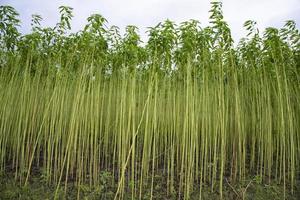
pixel 146 13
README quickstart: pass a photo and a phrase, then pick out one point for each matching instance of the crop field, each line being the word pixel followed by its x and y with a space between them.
pixel 188 111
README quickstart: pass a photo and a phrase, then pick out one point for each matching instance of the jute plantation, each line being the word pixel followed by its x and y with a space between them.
pixel 188 109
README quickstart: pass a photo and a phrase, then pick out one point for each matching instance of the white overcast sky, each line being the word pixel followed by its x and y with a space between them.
pixel 145 13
